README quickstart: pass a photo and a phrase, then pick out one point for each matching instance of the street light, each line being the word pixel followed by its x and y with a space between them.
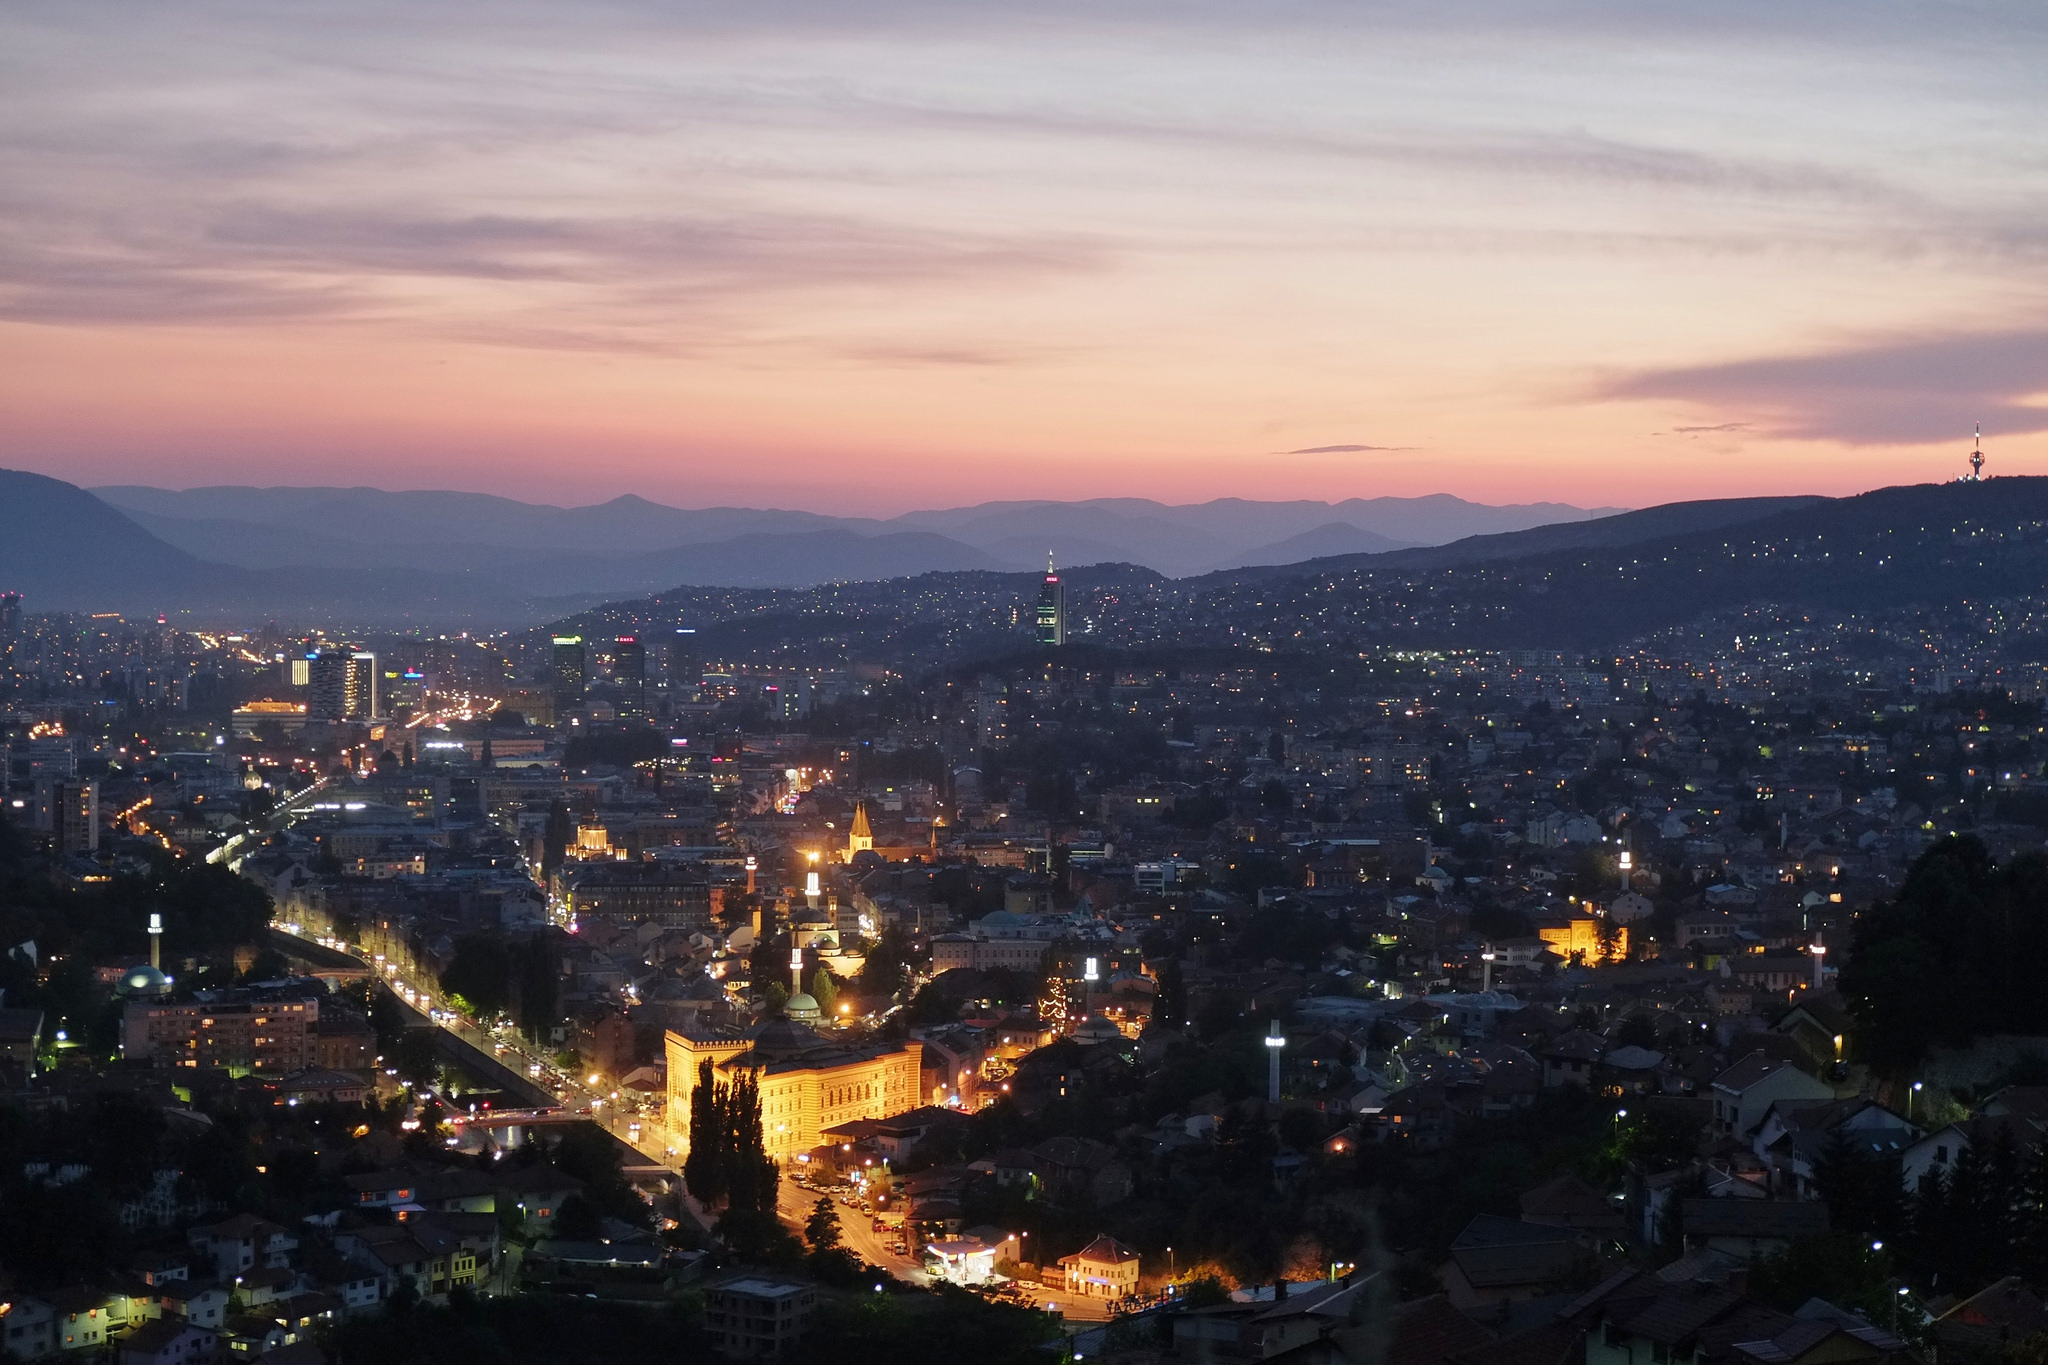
pixel 1909 1099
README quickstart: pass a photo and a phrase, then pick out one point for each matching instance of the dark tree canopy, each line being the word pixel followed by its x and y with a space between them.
pixel 1950 959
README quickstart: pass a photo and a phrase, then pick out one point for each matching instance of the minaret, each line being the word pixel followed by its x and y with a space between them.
pixel 1486 969
pixel 1627 866
pixel 1820 961
pixel 1275 1040
pixel 156 935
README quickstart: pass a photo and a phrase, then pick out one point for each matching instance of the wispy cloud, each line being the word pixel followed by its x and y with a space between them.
pixel 1893 392
pixel 1340 450
pixel 250 263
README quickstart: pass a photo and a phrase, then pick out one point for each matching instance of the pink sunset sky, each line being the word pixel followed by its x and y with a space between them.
pixel 872 257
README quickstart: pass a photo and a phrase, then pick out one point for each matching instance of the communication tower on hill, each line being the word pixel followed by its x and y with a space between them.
pixel 1977 457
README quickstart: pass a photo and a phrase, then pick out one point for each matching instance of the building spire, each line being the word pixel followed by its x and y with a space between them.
pixel 1977 456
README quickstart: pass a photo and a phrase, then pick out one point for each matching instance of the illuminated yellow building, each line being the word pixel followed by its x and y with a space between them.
pixel 808 1083
pixel 860 837
pixel 1586 939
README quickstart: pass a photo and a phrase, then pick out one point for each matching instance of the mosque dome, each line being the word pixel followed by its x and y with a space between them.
pixel 786 1035
pixel 143 980
pixel 802 1006
pixel 1096 1029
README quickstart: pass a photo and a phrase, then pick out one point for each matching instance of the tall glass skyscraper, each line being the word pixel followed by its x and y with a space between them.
pixel 570 673
pixel 629 676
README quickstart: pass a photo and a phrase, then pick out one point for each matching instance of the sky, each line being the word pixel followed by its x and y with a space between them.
pixel 868 257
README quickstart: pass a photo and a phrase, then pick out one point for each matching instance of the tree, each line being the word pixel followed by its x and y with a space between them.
pixel 554 845
pixel 417 1062
pixel 825 991
pixel 1946 962
pixel 1170 1003
pixel 752 1176
pixel 821 1229
pixel 886 973
pixel 540 986
pixel 704 1170
pixel 728 1158
pixel 481 973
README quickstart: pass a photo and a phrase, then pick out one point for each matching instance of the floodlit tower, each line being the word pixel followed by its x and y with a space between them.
pixel 1486 957
pixel 753 866
pixel 1977 455
pixel 1275 1040
pixel 1052 606
pixel 156 937
pixel 1627 866
pixel 1820 961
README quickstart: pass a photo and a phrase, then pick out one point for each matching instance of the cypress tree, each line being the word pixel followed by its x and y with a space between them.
pixel 706 1170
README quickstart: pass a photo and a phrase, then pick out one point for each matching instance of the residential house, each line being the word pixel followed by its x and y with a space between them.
pixel 1751 1228
pixel 756 1318
pixel 168 1341
pixel 244 1242
pixel 1497 1261
pixel 199 1302
pixel 31 1328
pixel 1993 1318
pixel 1570 1058
pixel 1796 1136
pixel 1632 1317
pixel 1295 1321
pixel 86 1319
pixel 1745 1092
pixel 1104 1269
pixel 1569 1202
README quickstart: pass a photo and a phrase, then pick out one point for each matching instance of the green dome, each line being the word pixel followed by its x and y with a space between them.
pixel 143 981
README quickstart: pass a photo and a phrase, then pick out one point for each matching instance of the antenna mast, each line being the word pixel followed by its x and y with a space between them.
pixel 1977 456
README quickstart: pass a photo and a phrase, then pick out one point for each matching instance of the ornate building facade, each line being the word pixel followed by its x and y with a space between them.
pixel 808 1082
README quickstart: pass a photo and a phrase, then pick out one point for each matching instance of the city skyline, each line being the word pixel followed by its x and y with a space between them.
pixel 1572 253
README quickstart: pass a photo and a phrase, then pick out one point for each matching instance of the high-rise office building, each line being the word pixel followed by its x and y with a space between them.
pixel 1052 607
pixel 327 686
pixel 340 685
pixel 685 667
pixel 69 809
pixel 361 686
pixel 570 674
pixel 629 676
pixel 10 613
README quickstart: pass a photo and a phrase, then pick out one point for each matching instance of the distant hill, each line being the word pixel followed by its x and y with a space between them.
pixel 1931 544
pixel 63 548
pixel 807 558
pixel 66 549
pixel 1621 529
pixel 1327 541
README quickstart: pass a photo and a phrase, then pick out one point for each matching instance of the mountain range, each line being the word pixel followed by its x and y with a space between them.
pixel 373 557
pixel 630 543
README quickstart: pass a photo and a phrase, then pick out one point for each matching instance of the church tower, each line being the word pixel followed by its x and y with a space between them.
pixel 861 836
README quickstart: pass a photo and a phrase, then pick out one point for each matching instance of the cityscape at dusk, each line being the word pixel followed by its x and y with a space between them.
pixel 1210 684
